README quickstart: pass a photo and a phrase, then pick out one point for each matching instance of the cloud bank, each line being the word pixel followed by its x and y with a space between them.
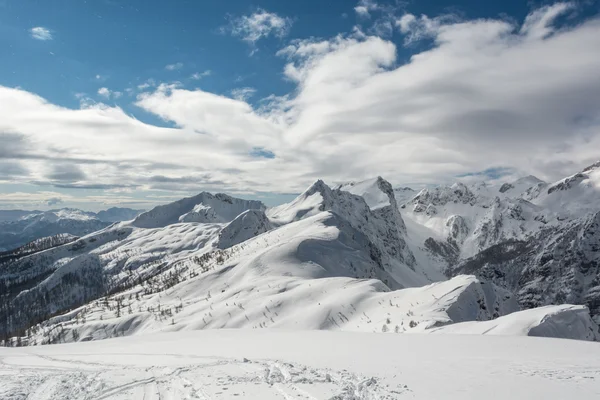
pixel 486 94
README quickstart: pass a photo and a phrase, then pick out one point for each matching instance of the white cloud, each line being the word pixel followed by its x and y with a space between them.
pixel 362 11
pixel 104 92
pixel 109 94
pixel 419 28
pixel 40 198
pixel 174 67
pixel 146 85
pixel 406 22
pixel 252 28
pixel 364 8
pixel 538 24
pixel 200 75
pixel 243 93
pixel 486 93
pixel 40 33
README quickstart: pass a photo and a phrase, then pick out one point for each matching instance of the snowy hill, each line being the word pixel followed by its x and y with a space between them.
pixel 37 246
pixel 18 227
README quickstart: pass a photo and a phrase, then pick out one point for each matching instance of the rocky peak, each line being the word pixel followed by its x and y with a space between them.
pixel 592 167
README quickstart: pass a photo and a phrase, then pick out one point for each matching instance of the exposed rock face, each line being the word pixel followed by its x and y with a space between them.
pixel 440 196
pixel 458 229
pixel 379 196
pixel 557 265
pixel 536 239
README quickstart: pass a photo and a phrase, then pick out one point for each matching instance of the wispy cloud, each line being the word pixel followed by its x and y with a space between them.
pixel 243 94
pixel 259 25
pixel 107 93
pixel 40 33
pixel 148 84
pixel 364 8
pixel 174 67
pixel 200 75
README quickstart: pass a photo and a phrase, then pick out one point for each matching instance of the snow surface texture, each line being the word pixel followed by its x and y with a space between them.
pixel 271 364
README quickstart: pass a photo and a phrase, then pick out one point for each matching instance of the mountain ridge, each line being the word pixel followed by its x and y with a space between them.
pixel 345 257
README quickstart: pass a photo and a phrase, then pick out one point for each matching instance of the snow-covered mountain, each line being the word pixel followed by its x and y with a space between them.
pixel 539 240
pixel 342 258
pixel 18 227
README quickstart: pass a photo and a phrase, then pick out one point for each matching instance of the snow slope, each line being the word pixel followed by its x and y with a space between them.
pixel 573 196
pixel 563 321
pixel 273 364
pixel 225 299
pixel 245 226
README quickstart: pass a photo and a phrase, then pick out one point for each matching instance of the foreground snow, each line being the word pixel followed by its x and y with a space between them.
pixel 271 364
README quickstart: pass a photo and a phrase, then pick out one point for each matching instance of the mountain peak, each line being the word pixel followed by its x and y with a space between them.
pixel 203 208
pixel 594 166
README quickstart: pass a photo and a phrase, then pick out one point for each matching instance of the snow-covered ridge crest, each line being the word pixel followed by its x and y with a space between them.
pixel 204 207
pixel 573 196
pixel 245 226
pixel 380 222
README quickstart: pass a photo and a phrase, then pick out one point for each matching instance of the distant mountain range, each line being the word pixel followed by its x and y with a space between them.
pixel 19 227
pixel 522 258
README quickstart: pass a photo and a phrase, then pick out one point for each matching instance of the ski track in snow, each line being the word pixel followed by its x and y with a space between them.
pixel 180 377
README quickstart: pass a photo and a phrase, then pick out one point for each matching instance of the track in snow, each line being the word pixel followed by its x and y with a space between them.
pixel 178 377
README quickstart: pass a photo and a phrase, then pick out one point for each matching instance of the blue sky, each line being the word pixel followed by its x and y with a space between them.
pixel 110 57
pixel 125 43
